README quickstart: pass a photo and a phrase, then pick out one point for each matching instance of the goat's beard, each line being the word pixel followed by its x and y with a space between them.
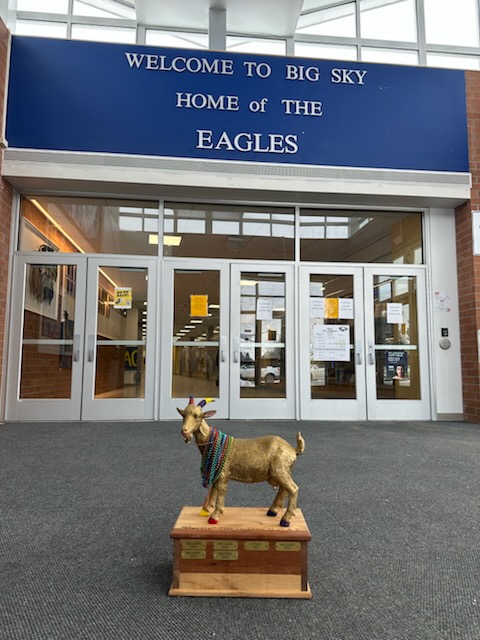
pixel 187 437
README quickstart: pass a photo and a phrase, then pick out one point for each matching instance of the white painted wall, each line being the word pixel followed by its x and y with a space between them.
pixel 446 366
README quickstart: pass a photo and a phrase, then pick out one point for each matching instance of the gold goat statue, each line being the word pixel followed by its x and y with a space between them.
pixel 265 459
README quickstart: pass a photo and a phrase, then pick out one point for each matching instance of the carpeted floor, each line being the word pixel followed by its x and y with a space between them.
pixel 86 511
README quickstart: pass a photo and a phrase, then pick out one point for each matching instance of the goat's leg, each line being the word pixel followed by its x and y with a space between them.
pixel 292 489
pixel 209 504
pixel 220 491
pixel 278 503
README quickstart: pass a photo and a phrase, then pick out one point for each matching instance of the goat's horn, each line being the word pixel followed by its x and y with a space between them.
pixel 202 403
pixel 192 400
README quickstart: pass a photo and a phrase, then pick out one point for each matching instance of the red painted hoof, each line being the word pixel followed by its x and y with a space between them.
pixel 212 521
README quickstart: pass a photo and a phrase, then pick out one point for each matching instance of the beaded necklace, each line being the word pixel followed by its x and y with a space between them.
pixel 214 456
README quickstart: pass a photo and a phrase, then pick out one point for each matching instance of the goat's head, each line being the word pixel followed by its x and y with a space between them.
pixel 193 416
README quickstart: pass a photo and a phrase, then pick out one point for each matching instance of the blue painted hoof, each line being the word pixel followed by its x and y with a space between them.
pixel 284 523
pixel 271 513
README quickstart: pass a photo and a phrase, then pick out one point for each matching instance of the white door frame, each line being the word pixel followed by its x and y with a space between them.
pixel 366 406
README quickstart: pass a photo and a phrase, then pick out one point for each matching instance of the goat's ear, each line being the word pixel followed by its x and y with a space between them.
pixel 181 412
pixel 209 414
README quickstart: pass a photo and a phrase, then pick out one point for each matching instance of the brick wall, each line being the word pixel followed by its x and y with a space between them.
pixel 468 264
pixel 6 195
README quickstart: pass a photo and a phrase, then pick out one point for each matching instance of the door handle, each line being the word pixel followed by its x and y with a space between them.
pixel 371 357
pixel 223 348
pixel 76 347
pixel 236 349
pixel 359 354
pixel 91 348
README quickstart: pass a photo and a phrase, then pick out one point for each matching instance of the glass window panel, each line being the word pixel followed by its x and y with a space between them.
pixel 48 331
pixel 389 56
pixel 327 51
pixel 240 238
pixel 262 335
pixel 180 40
pixel 121 333
pixel 195 345
pixel 396 338
pixel 103 34
pixel 40 29
pixel 452 61
pixel 376 236
pixel 88 225
pixel 256 45
pixel 332 21
pixel 452 23
pixel 389 20
pixel 331 322
pixel 105 9
pixel 46 6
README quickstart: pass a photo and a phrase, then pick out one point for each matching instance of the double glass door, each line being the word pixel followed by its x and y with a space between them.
pixel 230 337
pixel 83 338
pixel 363 344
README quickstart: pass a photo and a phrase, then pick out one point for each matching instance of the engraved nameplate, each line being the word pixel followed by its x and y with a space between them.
pixel 288 546
pixel 193 544
pixel 256 545
pixel 194 554
pixel 225 555
pixel 225 545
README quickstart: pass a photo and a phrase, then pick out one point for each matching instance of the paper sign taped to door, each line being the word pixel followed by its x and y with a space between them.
pixel 123 298
pixel 199 306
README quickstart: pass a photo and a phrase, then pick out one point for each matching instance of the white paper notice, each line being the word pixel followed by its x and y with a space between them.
pixel 442 301
pixel 394 312
pixel 317 307
pixel 331 342
pixel 345 308
pixel 264 308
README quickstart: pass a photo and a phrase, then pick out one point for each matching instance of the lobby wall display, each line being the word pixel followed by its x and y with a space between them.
pixel 127 99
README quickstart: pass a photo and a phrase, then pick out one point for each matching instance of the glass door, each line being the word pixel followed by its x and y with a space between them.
pixel 398 381
pixel 82 342
pixel 119 356
pixel 230 332
pixel 332 358
pixel 363 344
pixel 46 342
pixel 195 321
pixel 262 372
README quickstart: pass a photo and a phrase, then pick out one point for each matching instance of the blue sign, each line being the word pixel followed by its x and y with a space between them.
pixel 96 97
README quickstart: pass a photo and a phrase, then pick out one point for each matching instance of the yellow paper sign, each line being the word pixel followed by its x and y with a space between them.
pixel 123 298
pixel 199 305
pixel 331 308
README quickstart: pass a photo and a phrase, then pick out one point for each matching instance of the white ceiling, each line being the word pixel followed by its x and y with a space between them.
pixel 255 17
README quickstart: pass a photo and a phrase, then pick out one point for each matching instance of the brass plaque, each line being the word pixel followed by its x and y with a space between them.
pixel 256 545
pixel 194 554
pixel 193 544
pixel 225 545
pixel 288 546
pixel 225 555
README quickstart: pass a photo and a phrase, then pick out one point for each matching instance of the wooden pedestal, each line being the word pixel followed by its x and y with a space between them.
pixel 247 554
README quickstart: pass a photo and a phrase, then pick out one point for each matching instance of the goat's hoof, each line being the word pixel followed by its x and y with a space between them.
pixel 212 521
pixel 204 512
pixel 271 513
pixel 284 523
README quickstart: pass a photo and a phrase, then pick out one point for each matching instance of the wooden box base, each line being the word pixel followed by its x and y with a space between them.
pixel 246 555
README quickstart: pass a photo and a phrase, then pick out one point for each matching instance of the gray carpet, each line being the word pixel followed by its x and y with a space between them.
pixel 87 509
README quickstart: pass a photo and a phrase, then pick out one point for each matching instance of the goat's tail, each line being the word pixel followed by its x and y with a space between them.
pixel 300 444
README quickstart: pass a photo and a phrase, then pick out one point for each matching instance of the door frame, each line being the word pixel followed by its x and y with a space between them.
pixel 366 406
pixel 78 407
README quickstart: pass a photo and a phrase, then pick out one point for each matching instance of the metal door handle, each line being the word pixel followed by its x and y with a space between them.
pixel 223 348
pixel 359 354
pixel 236 348
pixel 76 347
pixel 371 358
pixel 91 348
